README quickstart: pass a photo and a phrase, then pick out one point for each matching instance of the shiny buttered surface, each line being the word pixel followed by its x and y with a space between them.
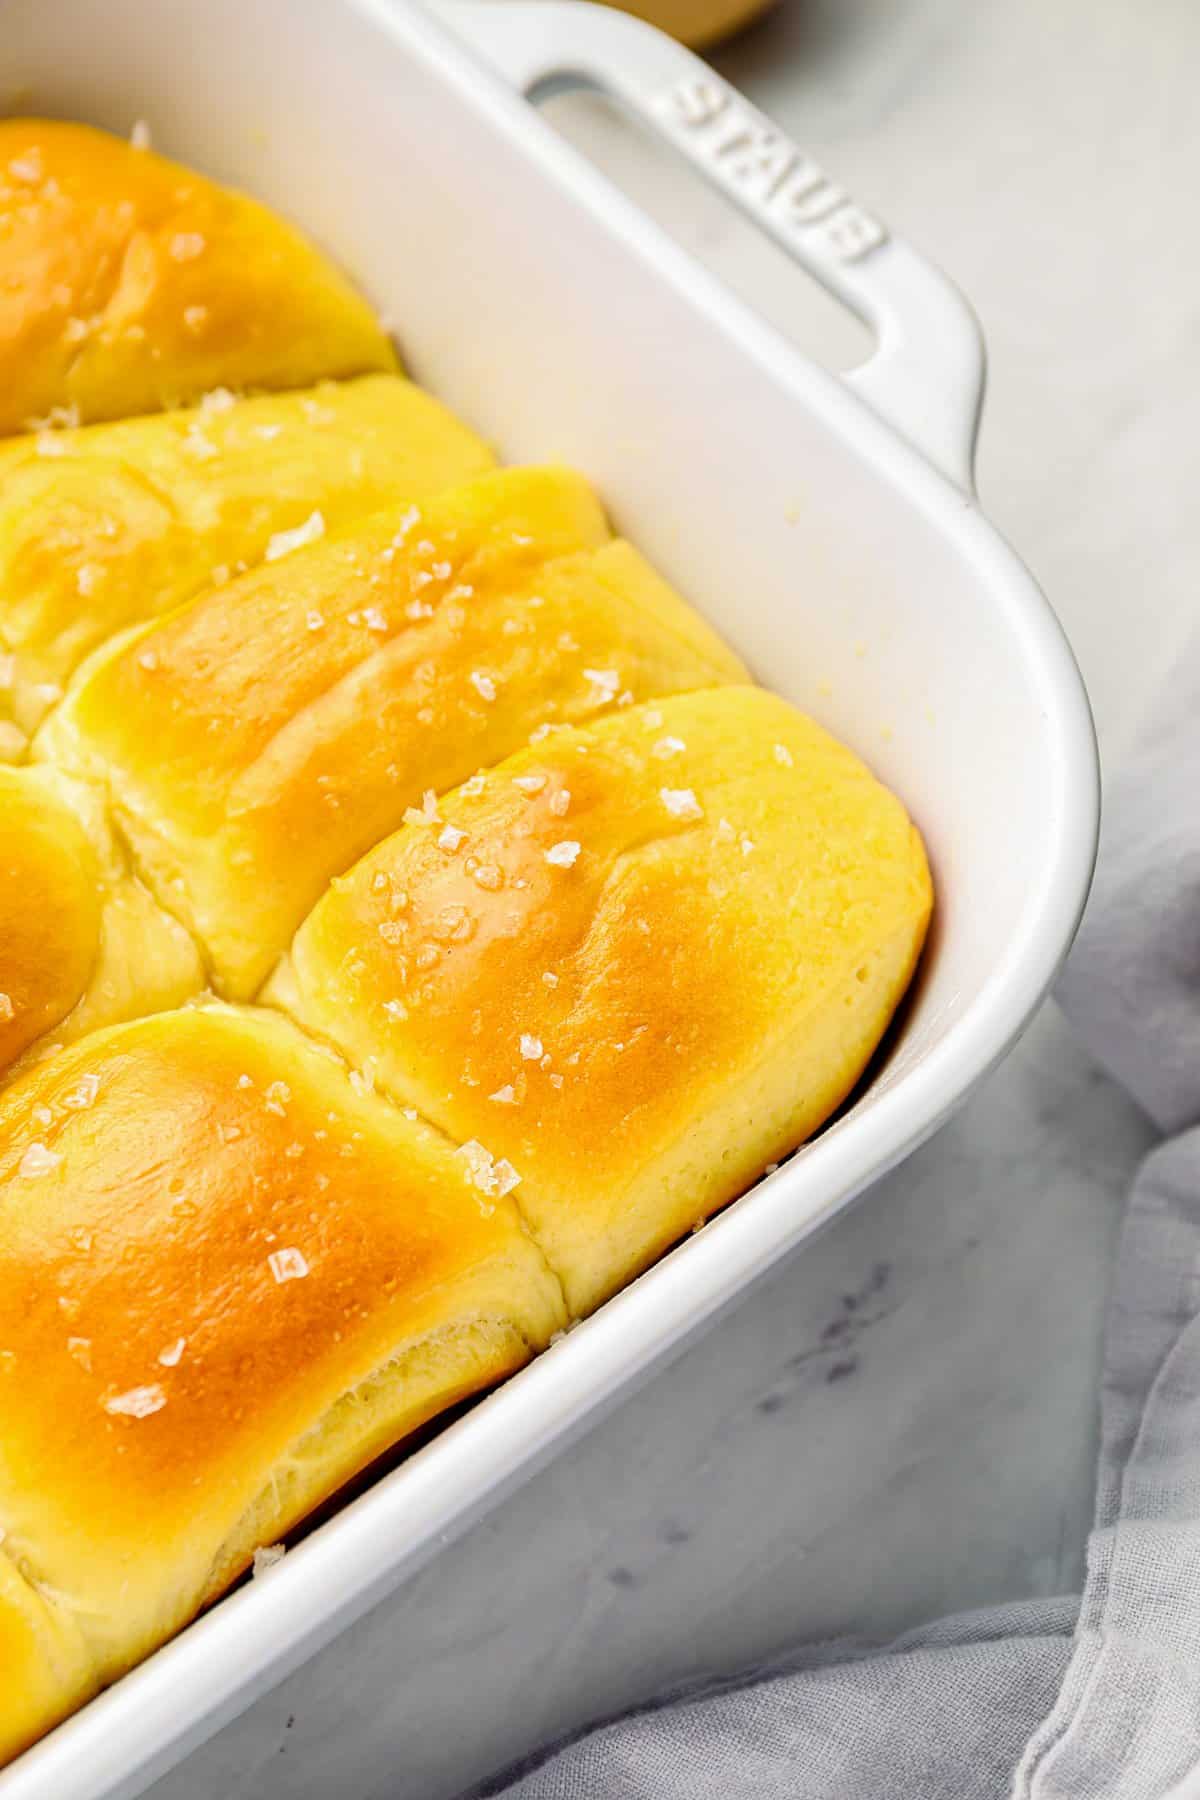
pixel 640 960
pixel 412 921
pixel 228 1278
pixel 257 741
pixel 129 284
pixel 112 525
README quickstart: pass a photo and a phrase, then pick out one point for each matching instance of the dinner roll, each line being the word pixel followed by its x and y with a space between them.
pixel 123 522
pixel 648 957
pixel 129 284
pixel 259 740
pixel 228 1280
pixel 82 943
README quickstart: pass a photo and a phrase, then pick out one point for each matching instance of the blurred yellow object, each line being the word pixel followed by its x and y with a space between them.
pixel 699 23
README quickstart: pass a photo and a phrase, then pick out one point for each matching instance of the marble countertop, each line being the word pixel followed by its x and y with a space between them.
pixel 935 1451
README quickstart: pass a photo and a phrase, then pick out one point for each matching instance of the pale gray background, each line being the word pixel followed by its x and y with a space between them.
pixel 937 1450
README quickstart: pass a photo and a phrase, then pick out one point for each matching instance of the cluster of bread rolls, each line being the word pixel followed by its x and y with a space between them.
pixel 412 921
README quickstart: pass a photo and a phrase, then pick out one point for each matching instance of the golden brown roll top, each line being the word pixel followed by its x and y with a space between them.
pixel 259 740
pixel 82 943
pixel 129 284
pixel 228 1280
pixel 638 961
pixel 111 525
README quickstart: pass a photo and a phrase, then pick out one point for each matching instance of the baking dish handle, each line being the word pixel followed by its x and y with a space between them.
pixel 927 373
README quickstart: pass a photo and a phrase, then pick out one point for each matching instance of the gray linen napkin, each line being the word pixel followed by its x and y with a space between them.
pixel 1091 1699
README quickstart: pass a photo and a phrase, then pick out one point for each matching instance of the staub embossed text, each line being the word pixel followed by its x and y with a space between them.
pixel 766 171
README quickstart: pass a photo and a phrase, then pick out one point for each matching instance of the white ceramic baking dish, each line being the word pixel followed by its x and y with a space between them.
pixel 827 527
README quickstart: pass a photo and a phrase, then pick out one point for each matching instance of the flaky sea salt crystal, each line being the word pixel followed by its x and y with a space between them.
pixel 59 418
pixel 406 522
pixel 426 814
pixel 138 1402
pixel 37 1160
pixel 27 167
pixel 171 1355
pixel 606 682
pixel 484 1172
pixel 505 1178
pixel 681 803
pixel 288 1265
pixel 186 246
pixel 668 746
pixel 268 1557
pixel 483 684
pixel 284 542
pixel 83 1094
pixel 783 756
pixel 532 1049
pixel 197 444
pixel 563 854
